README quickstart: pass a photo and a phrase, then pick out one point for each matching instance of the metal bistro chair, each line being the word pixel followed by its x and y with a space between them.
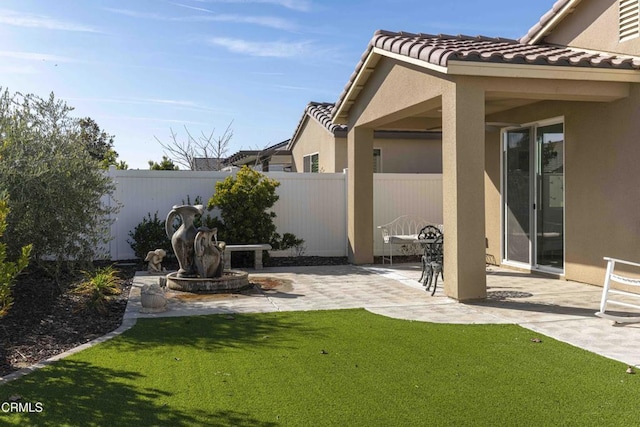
pixel 436 265
pixel 431 238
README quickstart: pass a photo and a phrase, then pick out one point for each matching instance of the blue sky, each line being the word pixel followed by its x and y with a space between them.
pixel 140 68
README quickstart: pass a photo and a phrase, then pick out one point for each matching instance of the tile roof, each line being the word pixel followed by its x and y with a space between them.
pixel 559 7
pixel 440 49
pixel 321 111
pixel 279 148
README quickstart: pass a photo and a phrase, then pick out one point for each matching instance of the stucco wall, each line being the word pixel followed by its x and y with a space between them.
pixel 602 172
pixel 492 196
pixel 314 138
pixel 400 155
pixel 410 155
pixel 341 154
pixel 379 99
pixel 593 25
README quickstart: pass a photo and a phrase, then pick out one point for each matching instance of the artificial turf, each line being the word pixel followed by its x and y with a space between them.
pixel 326 368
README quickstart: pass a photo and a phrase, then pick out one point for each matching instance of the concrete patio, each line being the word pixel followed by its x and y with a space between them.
pixel 560 309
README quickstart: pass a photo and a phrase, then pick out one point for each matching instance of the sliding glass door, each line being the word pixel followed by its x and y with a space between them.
pixel 533 197
pixel 549 208
pixel 517 196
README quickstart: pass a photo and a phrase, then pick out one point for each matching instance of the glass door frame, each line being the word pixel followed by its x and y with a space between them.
pixel 534 148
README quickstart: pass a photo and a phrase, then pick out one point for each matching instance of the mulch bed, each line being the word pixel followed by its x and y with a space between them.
pixel 47 319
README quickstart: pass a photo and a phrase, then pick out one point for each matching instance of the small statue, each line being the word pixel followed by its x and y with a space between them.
pixel 154 258
pixel 153 298
pixel 208 253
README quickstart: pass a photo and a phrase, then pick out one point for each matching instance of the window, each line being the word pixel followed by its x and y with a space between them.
pixel 377 160
pixel 629 19
pixel 311 163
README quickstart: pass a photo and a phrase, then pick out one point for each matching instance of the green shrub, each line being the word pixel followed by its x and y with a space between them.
pixel 245 201
pixel 98 288
pixel 8 270
pixel 149 235
pixel 290 241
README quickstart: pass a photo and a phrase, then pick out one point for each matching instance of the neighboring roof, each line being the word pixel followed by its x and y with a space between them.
pixel 259 155
pixel 437 51
pixel 549 20
pixel 207 163
pixel 321 112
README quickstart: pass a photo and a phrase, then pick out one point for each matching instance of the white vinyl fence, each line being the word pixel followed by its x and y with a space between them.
pixel 311 206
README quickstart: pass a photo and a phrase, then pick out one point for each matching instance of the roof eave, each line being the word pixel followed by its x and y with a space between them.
pixel 549 20
pixel 294 138
pixel 340 112
pixel 558 72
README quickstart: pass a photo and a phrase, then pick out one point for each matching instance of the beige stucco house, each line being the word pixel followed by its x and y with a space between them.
pixel 319 145
pixel 540 140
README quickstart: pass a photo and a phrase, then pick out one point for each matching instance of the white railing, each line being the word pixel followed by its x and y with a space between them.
pixel 311 206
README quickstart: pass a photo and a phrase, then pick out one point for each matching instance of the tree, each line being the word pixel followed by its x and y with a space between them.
pixel 205 146
pixel 122 165
pixel 98 143
pixel 165 165
pixel 8 270
pixel 56 188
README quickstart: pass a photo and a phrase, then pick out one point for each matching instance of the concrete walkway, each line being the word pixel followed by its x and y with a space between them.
pixel 559 309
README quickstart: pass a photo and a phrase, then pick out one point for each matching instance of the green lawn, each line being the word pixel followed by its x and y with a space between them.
pixel 336 368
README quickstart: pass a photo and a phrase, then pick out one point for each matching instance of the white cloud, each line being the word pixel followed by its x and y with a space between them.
pixel 299 5
pixel 289 87
pixel 157 120
pixel 200 9
pixel 135 14
pixel 175 102
pixel 34 56
pixel 181 104
pixel 268 49
pixel 8 69
pixel 18 19
pixel 265 21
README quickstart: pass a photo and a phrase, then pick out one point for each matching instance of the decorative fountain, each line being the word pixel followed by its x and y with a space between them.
pixel 200 256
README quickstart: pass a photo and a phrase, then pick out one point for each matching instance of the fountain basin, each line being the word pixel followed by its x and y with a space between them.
pixel 231 281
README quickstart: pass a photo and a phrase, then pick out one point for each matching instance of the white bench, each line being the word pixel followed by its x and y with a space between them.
pixel 401 231
pixel 256 248
pixel 626 296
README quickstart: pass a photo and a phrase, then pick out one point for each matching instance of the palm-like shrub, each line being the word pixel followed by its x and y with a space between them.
pixel 98 288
